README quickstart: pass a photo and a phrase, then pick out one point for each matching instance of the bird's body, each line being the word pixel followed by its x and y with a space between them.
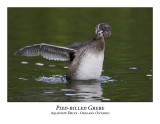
pixel 88 61
pixel 86 57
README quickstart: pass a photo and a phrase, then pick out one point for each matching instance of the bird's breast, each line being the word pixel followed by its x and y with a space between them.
pixel 90 66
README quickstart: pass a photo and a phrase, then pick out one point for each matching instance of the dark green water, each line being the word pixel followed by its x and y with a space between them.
pixel 127 75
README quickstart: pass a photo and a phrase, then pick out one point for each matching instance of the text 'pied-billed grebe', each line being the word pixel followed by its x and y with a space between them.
pixel 86 57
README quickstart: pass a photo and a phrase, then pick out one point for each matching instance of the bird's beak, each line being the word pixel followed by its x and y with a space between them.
pixel 107 33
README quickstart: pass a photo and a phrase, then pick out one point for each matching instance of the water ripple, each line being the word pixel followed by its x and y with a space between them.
pixel 106 99
pixel 52 65
pixel 67 90
pixel 133 68
pixel 22 79
pixel 39 64
pixel 105 79
pixel 149 75
pixel 24 62
pixel 65 67
pixel 48 92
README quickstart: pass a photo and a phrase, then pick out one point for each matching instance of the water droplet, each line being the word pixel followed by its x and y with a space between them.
pixel 39 64
pixel 106 99
pixel 133 68
pixel 149 75
pixel 22 79
pixel 24 62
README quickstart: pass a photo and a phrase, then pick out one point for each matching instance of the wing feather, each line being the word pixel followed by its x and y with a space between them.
pixel 47 51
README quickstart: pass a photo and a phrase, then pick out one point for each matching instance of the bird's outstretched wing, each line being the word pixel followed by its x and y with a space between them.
pixel 47 51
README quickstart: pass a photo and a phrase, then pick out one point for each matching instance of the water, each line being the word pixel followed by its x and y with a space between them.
pixel 127 70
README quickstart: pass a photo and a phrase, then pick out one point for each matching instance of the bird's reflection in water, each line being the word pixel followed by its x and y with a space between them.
pixel 84 91
pixel 78 90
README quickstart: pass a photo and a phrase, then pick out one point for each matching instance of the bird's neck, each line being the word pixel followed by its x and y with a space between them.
pixel 97 37
pixel 99 43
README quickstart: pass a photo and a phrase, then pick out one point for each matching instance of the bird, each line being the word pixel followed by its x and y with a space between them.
pixel 86 58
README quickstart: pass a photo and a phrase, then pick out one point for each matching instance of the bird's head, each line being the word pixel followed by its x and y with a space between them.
pixel 103 30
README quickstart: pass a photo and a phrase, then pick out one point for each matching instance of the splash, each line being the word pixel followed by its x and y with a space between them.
pixel 54 79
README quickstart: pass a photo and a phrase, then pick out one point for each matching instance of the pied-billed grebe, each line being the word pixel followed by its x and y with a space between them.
pixel 86 57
